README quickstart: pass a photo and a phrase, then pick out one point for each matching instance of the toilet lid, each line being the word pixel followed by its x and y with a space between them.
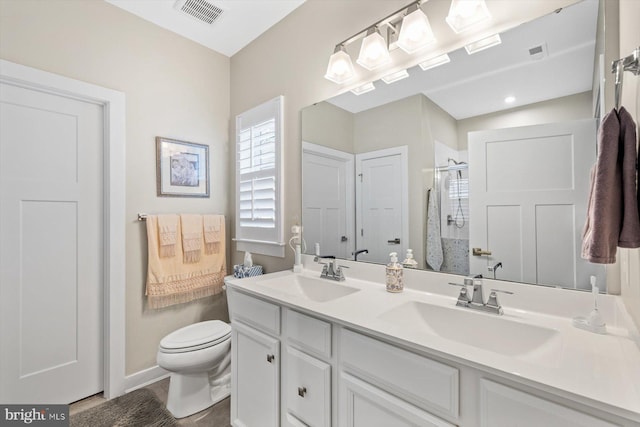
pixel 196 335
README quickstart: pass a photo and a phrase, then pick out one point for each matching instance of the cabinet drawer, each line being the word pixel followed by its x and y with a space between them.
pixel 362 404
pixel 502 406
pixel 308 333
pixel 421 381
pixel 260 314
pixel 308 391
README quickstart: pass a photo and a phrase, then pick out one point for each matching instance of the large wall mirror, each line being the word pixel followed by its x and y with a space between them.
pixel 479 166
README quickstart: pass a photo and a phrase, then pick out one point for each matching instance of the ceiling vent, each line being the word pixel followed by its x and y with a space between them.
pixel 202 10
pixel 538 52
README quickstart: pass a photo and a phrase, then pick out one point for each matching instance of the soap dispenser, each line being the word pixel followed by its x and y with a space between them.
pixel 395 281
pixel 409 261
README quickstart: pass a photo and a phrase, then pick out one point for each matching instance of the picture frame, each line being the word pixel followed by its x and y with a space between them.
pixel 182 168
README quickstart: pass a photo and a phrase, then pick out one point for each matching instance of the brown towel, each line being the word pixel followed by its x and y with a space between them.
pixel 191 237
pixel 604 215
pixel 171 281
pixel 630 232
pixel 167 235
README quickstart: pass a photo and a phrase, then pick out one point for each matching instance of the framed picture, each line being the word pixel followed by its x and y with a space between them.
pixel 182 168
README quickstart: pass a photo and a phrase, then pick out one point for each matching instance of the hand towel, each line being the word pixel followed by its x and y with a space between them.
pixel 167 235
pixel 435 256
pixel 171 281
pixel 191 237
pixel 630 232
pixel 212 229
pixel 604 214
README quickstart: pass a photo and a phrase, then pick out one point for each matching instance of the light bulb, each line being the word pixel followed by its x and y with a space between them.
pixel 340 68
pixel 467 8
pixel 373 52
pixel 415 32
pixel 464 14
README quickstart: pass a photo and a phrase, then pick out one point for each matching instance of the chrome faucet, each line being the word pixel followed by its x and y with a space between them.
pixel 330 270
pixel 476 302
pixel 356 253
pixel 478 296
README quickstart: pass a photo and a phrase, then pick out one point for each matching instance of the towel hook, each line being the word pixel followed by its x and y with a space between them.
pixel 619 66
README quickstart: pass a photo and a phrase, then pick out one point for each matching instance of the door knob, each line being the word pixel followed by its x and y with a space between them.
pixel 343 239
pixel 302 391
pixel 479 252
pixel 270 358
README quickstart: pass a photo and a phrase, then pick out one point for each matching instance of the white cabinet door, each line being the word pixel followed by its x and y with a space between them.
pixel 502 406
pixel 363 405
pixel 255 376
pixel 308 389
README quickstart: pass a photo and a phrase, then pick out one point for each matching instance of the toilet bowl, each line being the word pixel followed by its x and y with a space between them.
pixel 198 357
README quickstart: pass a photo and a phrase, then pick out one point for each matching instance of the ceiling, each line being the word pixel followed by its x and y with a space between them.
pixel 238 24
pixel 505 70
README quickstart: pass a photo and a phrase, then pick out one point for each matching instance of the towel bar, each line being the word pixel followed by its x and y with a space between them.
pixel 142 216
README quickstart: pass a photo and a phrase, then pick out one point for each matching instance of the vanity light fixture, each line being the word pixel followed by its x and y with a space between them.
pixel 483 44
pixel 464 14
pixel 373 52
pixel 340 68
pixel 407 28
pixel 367 87
pixel 434 62
pixel 394 77
pixel 415 30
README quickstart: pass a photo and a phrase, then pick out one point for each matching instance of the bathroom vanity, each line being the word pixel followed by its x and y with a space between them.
pixel 316 352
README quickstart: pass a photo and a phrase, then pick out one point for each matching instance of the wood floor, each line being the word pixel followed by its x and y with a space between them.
pixel 216 416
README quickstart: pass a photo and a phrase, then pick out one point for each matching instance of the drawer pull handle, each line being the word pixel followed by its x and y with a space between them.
pixel 302 391
pixel 270 358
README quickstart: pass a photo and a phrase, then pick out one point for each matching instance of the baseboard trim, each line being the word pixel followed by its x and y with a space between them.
pixel 144 378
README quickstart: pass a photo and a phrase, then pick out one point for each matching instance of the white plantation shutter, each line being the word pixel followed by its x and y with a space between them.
pixel 258 179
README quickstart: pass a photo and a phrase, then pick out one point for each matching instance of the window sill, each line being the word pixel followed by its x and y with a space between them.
pixel 275 249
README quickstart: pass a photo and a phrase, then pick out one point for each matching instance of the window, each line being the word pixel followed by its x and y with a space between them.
pixel 258 179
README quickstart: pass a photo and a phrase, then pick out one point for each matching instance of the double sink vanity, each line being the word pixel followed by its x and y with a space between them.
pixel 317 352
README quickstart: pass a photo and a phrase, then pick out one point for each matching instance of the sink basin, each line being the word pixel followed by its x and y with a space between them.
pixel 319 290
pixel 486 331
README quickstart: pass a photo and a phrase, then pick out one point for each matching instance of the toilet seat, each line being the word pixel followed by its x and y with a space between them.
pixel 196 337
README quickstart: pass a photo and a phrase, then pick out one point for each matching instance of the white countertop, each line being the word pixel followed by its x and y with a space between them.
pixel 602 371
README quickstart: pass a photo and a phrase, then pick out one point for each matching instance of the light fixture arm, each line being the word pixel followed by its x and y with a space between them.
pixel 384 21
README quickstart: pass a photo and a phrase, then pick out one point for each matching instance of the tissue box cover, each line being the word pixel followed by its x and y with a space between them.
pixel 240 271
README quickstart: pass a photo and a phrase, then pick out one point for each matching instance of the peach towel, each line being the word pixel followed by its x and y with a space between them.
pixel 167 235
pixel 171 281
pixel 191 237
pixel 212 227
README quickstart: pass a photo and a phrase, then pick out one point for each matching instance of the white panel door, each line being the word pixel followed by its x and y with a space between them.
pixel 382 207
pixel 528 202
pixel 327 200
pixel 255 387
pixel 51 251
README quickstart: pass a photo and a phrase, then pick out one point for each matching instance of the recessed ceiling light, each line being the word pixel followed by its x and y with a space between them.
pixel 483 44
pixel 394 77
pixel 434 62
pixel 367 87
pixel 510 99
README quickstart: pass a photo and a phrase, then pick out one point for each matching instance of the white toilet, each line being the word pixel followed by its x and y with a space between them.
pixel 198 357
